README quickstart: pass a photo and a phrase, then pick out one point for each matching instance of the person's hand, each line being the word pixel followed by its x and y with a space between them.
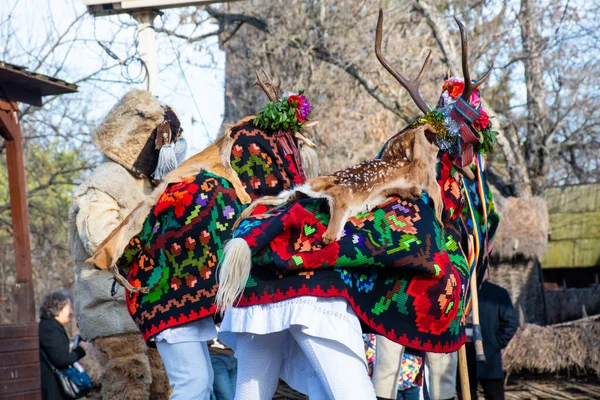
pixel 85 345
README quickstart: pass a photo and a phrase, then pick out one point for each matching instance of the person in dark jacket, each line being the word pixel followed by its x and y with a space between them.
pixel 54 342
pixel 499 322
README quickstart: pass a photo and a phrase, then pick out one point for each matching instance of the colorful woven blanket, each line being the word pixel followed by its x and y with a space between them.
pixel 183 237
pixel 403 274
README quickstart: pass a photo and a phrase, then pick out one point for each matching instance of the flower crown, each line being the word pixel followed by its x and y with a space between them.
pixel 289 114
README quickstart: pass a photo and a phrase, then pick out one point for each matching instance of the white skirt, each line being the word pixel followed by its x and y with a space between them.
pixel 196 331
pixel 327 318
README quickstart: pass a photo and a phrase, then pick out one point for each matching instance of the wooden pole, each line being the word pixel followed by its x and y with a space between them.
pixel 23 298
pixel 477 338
pixel 463 371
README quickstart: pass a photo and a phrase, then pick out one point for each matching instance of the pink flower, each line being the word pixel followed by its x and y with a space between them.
pixel 475 98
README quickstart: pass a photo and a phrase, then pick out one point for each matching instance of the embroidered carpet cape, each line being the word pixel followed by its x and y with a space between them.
pixel 403 274
pixel 182 239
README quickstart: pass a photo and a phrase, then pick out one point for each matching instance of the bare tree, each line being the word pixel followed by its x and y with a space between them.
pixel 542 92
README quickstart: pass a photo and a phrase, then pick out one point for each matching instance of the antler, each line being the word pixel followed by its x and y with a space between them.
pixel 272 90
pixel 469 86
pixel 411 86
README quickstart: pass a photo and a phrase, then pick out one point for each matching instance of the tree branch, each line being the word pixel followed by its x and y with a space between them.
pixel 228 19
pixel 352 70
pixel 187 38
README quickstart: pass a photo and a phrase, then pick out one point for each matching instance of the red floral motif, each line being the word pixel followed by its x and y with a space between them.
pixel 175 249
pixel 237 151
pixel 175 283
pixel 179 196
pixel 204 237
pixel 190 244
pixel 255 182
pixel 271 180
pixel 306 232
pixel 254 149
pixel 205 272
pixel 191 281
pixel 435 312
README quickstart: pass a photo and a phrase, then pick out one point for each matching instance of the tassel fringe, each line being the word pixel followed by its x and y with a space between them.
pixel 310 161
pixel 181 150
pixel 233 272
pixel 167 162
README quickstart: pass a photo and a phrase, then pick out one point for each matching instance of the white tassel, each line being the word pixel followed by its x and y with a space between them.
pixel 167 162
pixel 310 161
pixel 232 273
pixel 181 150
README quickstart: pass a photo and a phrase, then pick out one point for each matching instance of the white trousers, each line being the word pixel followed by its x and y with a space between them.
pixel 332 370
pixel 189 369
pixel 441 375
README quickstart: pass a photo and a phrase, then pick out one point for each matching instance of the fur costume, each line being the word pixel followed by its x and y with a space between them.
pixel 128 133
pixel 127 138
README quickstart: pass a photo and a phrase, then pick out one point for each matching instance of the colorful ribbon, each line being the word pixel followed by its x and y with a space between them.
pixel 462 115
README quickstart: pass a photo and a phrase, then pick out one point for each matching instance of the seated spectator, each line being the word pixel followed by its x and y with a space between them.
pixel 55 312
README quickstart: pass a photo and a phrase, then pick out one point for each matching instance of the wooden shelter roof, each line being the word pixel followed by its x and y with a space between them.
pixel 19 85
pixel 574 217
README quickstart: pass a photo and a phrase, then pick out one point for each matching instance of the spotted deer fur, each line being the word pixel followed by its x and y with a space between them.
pixel 406 168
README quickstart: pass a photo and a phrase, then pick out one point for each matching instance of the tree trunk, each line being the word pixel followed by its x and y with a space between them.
pixel 507 139
pixel 537 154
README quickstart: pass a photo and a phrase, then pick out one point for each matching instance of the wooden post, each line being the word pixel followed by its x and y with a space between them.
pixel 463 371
pixel 19 343
pixel 23 299
pixel 477 338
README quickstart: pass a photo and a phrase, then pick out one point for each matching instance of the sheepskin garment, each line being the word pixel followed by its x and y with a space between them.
pixel 182 239
pixel 99 205
pixel 403 274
